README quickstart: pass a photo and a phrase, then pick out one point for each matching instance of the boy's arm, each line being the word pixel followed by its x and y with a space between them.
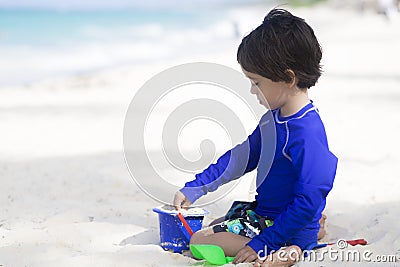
pixel 231 165
pixel 316 168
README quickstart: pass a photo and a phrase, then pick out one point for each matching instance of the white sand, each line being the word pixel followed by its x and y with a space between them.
pixel 67 198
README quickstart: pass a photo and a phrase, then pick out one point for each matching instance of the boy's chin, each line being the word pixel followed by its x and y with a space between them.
pixel 264 104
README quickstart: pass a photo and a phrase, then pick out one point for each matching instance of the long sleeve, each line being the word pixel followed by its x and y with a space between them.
pixel 231 165
pixel 315 167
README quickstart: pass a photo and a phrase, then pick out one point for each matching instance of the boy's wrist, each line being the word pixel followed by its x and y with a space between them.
pixel 259 247
pixel 192 193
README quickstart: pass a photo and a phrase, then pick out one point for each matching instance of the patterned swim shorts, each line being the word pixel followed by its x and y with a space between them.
pixel 242 220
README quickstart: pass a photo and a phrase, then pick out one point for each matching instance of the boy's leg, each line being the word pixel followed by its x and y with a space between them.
pixel 231 243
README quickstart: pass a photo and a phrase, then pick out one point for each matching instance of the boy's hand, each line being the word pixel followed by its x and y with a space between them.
pixel 246 254
pixel 181 201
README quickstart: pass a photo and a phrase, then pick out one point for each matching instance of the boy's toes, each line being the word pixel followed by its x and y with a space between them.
pixel 322 220
pixel 321 233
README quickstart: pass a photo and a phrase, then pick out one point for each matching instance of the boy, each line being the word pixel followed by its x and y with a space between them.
pixel 281 57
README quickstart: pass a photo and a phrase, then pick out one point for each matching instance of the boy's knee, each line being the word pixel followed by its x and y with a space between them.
pixel 200 236
pixel 194 239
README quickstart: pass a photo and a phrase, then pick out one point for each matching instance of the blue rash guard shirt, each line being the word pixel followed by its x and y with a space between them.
pixel 293 192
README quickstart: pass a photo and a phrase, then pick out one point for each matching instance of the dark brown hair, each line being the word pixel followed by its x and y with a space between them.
pixel 282 42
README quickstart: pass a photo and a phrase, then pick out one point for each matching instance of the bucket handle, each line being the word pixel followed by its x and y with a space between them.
pixel 186 225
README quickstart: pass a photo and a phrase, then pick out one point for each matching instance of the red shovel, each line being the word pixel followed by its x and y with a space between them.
pixel 353 242
pixel 343 243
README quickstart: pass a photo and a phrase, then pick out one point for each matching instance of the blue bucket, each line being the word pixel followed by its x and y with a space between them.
pixel 173 235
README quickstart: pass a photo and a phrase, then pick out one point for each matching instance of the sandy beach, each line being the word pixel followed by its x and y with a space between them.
pixel 67 198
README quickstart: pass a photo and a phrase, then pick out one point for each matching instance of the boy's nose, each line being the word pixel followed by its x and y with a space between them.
pixel 253 89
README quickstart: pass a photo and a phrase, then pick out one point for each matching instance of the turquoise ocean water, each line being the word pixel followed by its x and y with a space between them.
pixel 52 27
pixel 40 43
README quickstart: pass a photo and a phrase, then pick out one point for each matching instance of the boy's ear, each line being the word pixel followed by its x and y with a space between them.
pixel 292 76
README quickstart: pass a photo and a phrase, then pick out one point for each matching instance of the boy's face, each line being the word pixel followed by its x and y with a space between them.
pixel 270 94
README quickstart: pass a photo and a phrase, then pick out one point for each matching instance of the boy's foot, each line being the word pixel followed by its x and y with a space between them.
pixel 284 257
pixel 322 231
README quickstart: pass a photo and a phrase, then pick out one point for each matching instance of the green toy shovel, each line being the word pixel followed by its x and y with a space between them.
pixel 211 253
